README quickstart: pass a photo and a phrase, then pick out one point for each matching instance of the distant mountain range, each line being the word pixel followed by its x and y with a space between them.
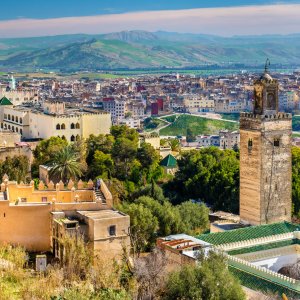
pixel 142 50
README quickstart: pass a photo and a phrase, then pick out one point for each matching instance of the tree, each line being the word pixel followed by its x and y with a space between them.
pixel 175 145
pixel 143 226
pixel 147 155
pixel 210 175
pixel 45 151
pixel 209 279
pixel 152 190
pixel 123 152
pixel 169 220
pixel 123 131
pixel 65 164
pixel 100 142
pixel 194 217
pixel 16 168
pixel 149 272
pixel 190 137
pixel 101 164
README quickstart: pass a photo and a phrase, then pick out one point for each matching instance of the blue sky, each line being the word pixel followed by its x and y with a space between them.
pixel 70 8
pixel 27 18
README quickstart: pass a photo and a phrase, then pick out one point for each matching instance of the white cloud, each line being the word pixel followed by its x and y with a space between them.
pixel 269 19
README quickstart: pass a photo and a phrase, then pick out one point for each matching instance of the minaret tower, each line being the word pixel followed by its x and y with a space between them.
pixel 265 157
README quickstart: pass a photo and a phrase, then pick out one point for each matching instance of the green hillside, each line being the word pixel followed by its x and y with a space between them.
pixel 140 49
pixel 198 126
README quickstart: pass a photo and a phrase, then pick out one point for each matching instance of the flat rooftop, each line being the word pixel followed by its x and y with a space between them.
pixel 102 214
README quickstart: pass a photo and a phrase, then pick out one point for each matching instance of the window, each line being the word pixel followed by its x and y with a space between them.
pixel 23 199
pixel 13 118
pixel 44 199
pixel 276 142
pixel 21 131
pixel 21 120
pixel 112 230
pixel 63 126
pixel 77 137
pixel 5 116
pixel 57 127
pixel 72 138
pixel 250 144
pixel 77 126
pixel 72 126
pixel 8 117
pixel 17 119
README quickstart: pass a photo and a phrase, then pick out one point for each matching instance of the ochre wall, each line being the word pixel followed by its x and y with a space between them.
pixel 28 226
pixel 64 196
pixel 250 162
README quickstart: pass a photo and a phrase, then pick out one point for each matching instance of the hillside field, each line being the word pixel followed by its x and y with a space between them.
pixel 198 126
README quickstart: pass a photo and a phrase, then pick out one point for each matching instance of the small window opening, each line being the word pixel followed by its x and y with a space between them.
pixel 276 143
pixel 250 144
pixel 112 230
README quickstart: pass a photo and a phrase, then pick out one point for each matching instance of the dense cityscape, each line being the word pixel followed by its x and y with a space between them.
pixel 150 150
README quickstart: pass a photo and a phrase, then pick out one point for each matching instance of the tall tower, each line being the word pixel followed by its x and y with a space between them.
pixel 265 157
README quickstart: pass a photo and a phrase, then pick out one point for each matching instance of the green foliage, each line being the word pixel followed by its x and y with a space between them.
pixel 209 174
pixel 101 165
pixel 65 164
pixel 152 190
pixel 143 226
pixel 123 131
pixel 101 143
pixel 296 181
pixel 210 280
pixel 190 137
pixel 114 155
pixel 173 143
pixel 170 119
pixel 198 126
pixel 77 278
pixel 45 151
pixel 168 219
pixel 147 155
pixel 123 152
pixel 194 217
pixel 152 123
pixel 17 168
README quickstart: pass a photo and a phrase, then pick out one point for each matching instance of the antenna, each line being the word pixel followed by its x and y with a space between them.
pixel 267 65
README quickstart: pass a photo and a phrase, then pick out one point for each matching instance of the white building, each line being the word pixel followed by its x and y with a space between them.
pixel 19 96
pixel 229 139
pixel 53 119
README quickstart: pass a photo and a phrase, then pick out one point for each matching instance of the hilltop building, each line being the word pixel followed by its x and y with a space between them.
pixel 38 219
pixel 42 121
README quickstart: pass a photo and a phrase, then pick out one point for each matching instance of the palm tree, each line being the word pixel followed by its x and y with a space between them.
pixel 66 164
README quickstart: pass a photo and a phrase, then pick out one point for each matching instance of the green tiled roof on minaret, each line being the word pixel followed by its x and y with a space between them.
pixel 5 101
pixel 169 161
